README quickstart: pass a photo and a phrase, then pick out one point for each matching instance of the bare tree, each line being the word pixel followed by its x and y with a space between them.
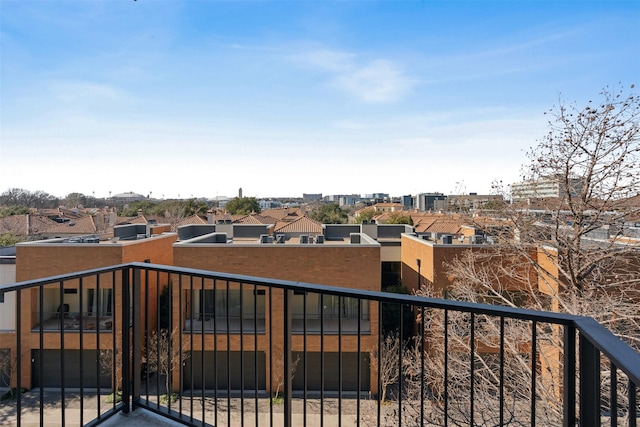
pixel 278 373
pixel 111 364
pixel 163 355
pixel 22 197
pixel 594 155
pixel 389 368
pixel 7 367
pixel 569 254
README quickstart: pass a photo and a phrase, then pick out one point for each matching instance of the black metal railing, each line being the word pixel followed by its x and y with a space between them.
pixel 204 348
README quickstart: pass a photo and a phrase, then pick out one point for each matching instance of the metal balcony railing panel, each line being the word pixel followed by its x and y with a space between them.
pixel 204 348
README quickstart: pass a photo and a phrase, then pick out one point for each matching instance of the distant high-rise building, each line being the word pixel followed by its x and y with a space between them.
pixel 312 196
pixel 407 202
pixel 544 187
pixel 429 201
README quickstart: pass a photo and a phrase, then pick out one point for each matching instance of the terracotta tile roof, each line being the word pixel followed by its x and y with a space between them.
pixel 301 225
pixel 84 225
pixel 256 219
pixel 49 212
pixel 283 214
pixel 362 210
pixel 71 213
pixel 437 223
pixel 389 206
pixel 17 224
pixel 40 224
pixel 140 219
pixel 448 227
pixel 193 219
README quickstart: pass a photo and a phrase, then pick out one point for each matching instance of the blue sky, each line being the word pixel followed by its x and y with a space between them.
pixel 181 98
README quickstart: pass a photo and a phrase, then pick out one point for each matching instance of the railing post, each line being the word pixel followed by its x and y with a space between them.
pixel 569 376
pixel 589 383
pixel 126 345
pixel 287 358
pixel 136 350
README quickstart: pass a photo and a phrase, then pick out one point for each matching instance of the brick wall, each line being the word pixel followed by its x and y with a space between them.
pixel 352 266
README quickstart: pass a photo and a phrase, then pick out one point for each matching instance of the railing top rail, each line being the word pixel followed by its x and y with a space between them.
pixel 435 303
pixel 61 277
pixel 493 310
pixel 622 355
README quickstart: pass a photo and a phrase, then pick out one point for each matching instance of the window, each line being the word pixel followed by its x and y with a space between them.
pixel 100 304
pixel 223 303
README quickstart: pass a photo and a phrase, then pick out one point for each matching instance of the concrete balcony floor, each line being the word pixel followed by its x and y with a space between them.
pixel 138 418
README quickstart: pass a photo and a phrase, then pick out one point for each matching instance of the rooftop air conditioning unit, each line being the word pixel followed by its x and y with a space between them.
pixel 264 238
pixel 280 238
pixel 319 239
pixel 304 239
pixel 447 239
pixel 477 240
pixel 219 237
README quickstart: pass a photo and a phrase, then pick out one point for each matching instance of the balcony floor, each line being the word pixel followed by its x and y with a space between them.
pixel 139 417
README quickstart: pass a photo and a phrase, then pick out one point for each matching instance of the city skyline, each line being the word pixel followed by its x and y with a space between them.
pixel 284 98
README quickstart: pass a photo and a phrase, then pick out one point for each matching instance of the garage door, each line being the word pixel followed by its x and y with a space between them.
pixel 72 373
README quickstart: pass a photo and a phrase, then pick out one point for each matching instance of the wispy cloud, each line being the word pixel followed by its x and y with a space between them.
pixel 77 90
pixel 369 80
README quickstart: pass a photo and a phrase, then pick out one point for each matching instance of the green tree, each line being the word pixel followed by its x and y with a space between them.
pixel 146 207
pixel 195 207
pixel 365 215
pixel 9 239
pixel 399 218
pixel 243 206
pixel 72 200
pixel 13 210
pixel 330 214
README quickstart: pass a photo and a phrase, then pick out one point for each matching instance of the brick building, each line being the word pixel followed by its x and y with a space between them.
pixel 351 260
pixel 85 306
